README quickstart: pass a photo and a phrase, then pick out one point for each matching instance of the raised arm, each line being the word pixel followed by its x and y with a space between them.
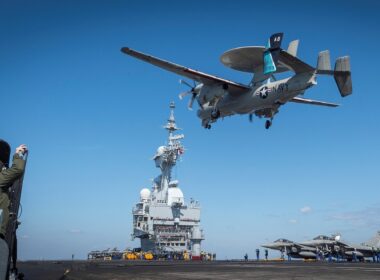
pixel 8 176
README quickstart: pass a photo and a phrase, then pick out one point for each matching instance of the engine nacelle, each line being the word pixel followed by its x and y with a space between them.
pixel 209 93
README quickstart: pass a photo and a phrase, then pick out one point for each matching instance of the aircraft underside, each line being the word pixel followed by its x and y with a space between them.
pixel 253 103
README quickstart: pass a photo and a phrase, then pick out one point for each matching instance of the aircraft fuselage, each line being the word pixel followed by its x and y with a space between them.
pixel 265 96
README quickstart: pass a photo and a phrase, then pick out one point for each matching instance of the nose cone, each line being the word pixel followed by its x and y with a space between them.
pixel 269 246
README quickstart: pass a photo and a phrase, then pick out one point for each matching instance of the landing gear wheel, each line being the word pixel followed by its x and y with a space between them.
pixel 207 126
pixel 268 123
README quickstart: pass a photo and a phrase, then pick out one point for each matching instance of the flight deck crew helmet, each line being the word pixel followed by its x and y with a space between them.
pixel 5 152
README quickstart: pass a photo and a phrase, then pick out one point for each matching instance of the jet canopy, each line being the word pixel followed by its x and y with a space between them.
pixel 283 240
pixel 322 237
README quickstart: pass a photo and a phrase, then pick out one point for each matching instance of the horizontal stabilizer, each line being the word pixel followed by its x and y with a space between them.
pixel 312 102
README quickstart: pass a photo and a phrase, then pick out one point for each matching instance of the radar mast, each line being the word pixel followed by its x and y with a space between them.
pixel 166 158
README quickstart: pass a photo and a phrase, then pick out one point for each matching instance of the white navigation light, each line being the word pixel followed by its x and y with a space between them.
pixel 144 194
pixel 337 238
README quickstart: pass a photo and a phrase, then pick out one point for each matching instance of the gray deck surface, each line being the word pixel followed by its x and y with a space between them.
pixel 115 270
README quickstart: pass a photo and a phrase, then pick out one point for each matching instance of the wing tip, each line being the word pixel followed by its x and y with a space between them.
pixel 125 50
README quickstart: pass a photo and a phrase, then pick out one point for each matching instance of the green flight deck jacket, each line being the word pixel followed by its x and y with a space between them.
pixel 7 178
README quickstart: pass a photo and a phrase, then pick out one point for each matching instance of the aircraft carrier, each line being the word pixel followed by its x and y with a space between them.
pixel 161 219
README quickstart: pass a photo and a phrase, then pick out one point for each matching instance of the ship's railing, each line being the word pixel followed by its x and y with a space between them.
pixel 171 233
pixel 137 211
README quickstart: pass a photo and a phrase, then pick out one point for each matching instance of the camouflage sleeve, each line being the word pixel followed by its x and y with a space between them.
pixel 8 176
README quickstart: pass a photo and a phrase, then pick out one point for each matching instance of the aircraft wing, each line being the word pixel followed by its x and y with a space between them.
pixel 312 102
pixel 303 247
pixel 198 76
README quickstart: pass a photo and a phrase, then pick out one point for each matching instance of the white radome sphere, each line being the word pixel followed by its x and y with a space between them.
pixel 144 194
pixel 160 150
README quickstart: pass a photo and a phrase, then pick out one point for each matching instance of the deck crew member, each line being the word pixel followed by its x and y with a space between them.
pixel 7 177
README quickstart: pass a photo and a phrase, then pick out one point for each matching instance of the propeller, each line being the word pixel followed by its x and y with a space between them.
pixel 191 91
pixel 250 117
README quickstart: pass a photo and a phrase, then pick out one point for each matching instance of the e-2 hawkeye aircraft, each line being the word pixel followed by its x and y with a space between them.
pixel 218 97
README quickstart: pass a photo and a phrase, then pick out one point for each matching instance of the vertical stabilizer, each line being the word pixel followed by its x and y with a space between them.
pixel 324 61
pixel 374 241
pixel 293 47
pixel 270 55
pixel 342 75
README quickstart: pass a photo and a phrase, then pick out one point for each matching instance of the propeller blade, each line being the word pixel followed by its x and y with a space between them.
pixel 250 117
pixel 185 83
pixel 183 94
pixel 190 105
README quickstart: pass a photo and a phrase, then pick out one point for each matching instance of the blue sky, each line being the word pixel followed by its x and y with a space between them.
pixel 93 118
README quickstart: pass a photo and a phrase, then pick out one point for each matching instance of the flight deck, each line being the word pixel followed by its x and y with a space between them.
pixel 273 270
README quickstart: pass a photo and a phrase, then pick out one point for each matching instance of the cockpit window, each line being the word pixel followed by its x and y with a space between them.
pixel 322 237
pixel 283 240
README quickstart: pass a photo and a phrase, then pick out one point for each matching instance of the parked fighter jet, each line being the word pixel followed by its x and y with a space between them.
pixel 335 245
pixel 364 250
pixel 218 97
pixel 326 245
pixel 293 249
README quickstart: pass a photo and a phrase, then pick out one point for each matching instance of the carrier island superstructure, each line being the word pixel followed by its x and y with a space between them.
pixel 162 220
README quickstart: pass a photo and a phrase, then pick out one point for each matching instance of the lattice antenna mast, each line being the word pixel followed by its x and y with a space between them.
pixel 171 152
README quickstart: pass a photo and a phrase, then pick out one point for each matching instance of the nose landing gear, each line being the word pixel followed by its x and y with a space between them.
pixel 206 124
pixel 215 114
pixel 268 123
